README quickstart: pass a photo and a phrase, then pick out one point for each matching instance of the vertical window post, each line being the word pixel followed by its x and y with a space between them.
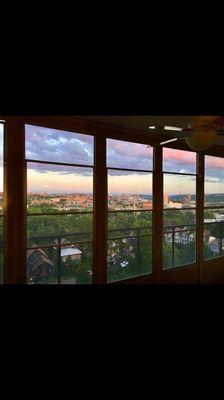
pixel 200 211
pixel 158 211
pixel 100 208
pixel 15 230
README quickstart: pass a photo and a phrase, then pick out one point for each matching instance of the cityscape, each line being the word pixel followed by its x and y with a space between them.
pixel 116 201
pixel 60 202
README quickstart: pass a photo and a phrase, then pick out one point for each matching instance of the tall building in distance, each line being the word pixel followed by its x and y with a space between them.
pixel 187 200
pixel 165 199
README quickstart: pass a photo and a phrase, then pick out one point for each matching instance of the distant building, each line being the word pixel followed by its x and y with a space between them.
pixel 165 199
pixel 187 200
pixel 171 204
pixel 147 205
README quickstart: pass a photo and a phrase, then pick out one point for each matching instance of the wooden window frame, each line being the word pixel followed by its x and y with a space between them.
pixel 15 202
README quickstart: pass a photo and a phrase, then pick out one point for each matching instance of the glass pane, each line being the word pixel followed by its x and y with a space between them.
pixel 58 188
pixel 129 257
pixel 130 244
pixel 214 181
pixel 179 248
pixel 179 191
pixel 129 191
pixel 54 145
pixel 179 238
pixel 129 224
pixel 213 233
pixel 121 154
pixel 179 161
pixel 65 265
pixel 176 218
pixel 51 229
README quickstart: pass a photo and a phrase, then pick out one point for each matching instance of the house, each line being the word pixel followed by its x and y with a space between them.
pixel 71 254
pixel 39 265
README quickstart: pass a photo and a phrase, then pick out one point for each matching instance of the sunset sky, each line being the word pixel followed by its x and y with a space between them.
pixel 67 147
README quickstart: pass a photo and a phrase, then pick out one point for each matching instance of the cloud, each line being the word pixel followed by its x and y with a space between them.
pixel 214 162
pixel 179 161
pixel 121 154
pixel 59 169
pixel 74 148
pixel 58 146
pixel 213 179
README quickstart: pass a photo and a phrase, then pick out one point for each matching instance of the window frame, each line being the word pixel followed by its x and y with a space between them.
pixel 220 256
pixel 90 241
pixel 195 209
pixel 15 201
pixel 151 275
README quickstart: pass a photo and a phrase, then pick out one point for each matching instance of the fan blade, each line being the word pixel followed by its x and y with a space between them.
pixel 168 141
pixel 171 140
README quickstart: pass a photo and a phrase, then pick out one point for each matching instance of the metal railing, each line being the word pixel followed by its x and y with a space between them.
pixel 172 235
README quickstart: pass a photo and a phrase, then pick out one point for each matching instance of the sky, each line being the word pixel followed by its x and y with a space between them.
pixel 67 147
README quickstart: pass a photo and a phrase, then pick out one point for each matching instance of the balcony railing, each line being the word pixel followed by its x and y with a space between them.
pixel 172 235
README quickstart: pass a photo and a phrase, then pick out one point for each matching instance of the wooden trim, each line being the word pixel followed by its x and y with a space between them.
pixel 100 213
pixel 80 125
pixel 200 213
pixel 15 220
pixel 212 271
pixel 136 280
pixel 184 274
pixel 158 212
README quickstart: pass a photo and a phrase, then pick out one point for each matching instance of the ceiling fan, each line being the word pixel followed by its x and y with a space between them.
pixel 199 135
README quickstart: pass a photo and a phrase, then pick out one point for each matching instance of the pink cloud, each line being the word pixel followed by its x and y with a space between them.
pixel 128 148
pixel 214 162
pixel 180 156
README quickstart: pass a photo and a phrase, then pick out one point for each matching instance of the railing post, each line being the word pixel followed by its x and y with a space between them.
pixel 138 252
pixel 59 260
pixel 172 260
pixel 220 238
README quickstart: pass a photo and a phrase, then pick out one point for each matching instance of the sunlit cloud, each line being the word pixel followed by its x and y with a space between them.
pixel 213 179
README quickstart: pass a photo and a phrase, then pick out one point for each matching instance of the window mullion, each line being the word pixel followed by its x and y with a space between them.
pixel 100 210
pixel 15 176
pixel 200 211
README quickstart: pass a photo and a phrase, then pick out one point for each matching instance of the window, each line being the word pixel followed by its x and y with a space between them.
pixel 1 198
pixel 179 208
pixel 214 207
pixel 60 169
pixel 79 208
pixel 129 175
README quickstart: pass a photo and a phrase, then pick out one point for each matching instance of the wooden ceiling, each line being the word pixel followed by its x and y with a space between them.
pixel 142 123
